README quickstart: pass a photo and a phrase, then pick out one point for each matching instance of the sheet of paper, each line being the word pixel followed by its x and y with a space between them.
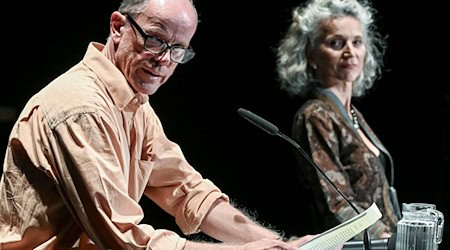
pixel 344 231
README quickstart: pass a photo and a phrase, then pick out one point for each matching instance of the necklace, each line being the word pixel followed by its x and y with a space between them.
pixel 354 118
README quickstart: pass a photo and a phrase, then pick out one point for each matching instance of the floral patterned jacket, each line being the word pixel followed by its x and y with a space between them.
pixel 324 129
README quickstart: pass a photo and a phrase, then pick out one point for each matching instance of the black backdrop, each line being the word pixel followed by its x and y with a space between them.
pixel 233 68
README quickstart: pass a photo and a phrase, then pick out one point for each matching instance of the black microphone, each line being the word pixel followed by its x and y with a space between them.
pixel 273 130
pixel 377 244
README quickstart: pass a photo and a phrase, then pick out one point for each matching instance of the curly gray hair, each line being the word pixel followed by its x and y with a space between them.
pixel 292 66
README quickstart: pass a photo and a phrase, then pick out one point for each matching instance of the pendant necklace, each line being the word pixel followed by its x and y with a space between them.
pixel 354 118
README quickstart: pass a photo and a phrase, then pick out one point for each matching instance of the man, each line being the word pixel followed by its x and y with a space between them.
pixel 88 146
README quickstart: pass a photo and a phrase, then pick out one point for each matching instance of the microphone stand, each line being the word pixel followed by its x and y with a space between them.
pixel 366 239
pixel 273 130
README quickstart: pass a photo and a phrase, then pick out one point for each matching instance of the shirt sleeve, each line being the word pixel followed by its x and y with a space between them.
pixel 89 171
pixel 174 184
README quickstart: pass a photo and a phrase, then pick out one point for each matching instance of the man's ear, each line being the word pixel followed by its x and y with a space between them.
pixel 116 25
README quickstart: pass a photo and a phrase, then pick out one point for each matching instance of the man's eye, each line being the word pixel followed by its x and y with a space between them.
pixel 153 42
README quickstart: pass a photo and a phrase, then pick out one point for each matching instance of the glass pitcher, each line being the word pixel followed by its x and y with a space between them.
pixel 421 227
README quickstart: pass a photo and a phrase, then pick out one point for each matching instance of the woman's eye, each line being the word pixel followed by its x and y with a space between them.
pixel 357 43
pixel 336 44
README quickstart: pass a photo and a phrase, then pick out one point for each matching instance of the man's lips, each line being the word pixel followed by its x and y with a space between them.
pixel 152 73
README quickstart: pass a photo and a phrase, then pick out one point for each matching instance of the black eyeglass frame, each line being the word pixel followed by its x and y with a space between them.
pixel 187 53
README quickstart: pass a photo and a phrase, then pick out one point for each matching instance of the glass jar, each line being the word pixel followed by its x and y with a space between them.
pixel 421 227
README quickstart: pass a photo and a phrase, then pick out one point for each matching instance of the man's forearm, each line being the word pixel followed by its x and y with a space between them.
pixel 227 224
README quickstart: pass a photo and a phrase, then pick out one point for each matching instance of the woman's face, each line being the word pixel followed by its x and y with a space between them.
pixel 339 54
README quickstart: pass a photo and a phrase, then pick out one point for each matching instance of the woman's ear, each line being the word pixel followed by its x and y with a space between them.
pixel 310 58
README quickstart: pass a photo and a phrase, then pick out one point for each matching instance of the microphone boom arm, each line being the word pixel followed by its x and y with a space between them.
pixel 317 168
pixel 273 130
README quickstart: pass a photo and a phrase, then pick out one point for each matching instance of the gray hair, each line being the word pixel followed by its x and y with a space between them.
pixel 292 67
pixel 137 6
pixel 132 6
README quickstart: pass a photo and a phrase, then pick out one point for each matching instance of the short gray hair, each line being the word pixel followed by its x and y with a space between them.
pixel 132 6
pixel 137 6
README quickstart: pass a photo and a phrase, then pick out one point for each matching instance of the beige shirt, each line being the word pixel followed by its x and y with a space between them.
pixel 81 155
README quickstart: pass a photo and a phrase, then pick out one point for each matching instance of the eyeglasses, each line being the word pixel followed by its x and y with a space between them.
pixel 156 45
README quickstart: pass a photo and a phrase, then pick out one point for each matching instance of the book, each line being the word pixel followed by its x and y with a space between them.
pixel 343 232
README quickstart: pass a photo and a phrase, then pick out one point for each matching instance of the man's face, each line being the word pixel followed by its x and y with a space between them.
pixel 170 22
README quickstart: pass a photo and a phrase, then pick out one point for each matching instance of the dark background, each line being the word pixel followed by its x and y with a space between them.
pixel 235 67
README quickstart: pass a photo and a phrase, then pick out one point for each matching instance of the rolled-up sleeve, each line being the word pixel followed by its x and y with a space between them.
pixel 95 180
pixel 175 185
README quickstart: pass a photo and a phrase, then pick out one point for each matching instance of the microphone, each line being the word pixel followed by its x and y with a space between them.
pixel 273 130
pixel 377 244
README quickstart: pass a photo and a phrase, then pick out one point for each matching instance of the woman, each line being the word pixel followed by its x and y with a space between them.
pixel 331 53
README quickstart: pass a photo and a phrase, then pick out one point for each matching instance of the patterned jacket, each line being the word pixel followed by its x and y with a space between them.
pixel 326 132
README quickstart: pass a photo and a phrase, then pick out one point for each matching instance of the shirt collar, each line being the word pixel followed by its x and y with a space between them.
pixel 121 92
pixel 329 97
